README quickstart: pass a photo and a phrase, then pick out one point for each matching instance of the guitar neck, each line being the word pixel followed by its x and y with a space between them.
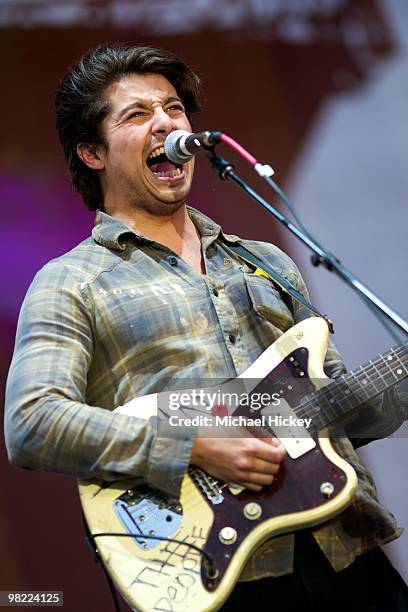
pixel 338 400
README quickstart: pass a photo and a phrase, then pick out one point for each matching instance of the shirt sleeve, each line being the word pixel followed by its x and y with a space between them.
pixel 377 418
pixel 48 424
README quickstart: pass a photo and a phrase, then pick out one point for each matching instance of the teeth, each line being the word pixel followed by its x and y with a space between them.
pixel 156 153
pixel 175 172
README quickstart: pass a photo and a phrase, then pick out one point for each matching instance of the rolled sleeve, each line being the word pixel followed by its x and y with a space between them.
pixel 168 463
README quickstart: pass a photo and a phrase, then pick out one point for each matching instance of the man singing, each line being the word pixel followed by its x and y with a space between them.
pixel 154 295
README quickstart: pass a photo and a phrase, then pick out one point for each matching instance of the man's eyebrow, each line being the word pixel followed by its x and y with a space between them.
pixel 142 105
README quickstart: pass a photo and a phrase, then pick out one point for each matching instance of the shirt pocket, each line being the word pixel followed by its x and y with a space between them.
pixel 267 301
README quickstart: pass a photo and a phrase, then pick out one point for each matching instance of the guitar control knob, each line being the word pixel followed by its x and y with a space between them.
pixel 228 535
pixel 327 489
pixel 252 511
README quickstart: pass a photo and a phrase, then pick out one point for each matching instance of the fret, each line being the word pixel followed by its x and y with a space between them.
pixel 361 383
pixel 310 407
pixel 378 370
pixel 325 405
pixel 329 399
pixel 347 397
pixel 318 420
pixel 388 361
pixel 371 374
pixel 404 369
pixel 391 356
pixel 356 394
pixel 402 350
pixel 384 369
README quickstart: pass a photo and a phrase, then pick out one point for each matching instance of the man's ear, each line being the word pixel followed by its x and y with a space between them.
pixel 90 156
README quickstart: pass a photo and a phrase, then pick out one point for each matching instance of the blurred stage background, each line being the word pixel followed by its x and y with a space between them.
pixel 317 88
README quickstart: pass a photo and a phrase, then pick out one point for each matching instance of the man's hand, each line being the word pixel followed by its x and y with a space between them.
pixel 249 462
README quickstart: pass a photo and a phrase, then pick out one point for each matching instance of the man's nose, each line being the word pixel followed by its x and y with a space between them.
pixel 162 123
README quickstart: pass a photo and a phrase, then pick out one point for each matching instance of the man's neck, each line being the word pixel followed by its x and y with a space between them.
pixel 176 231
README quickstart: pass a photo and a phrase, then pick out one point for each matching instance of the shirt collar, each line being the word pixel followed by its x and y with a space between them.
pixel 208 227
pixel 111 233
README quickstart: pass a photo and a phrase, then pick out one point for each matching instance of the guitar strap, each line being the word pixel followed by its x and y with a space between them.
pixel 264 269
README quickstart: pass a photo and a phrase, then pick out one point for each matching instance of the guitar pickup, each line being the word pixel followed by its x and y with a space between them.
pixel 284 423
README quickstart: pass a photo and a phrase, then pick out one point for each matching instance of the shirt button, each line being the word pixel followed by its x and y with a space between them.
pixel 232 338
pixel 215 292
pixel 173 261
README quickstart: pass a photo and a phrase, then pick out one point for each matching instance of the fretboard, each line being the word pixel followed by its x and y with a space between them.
pixel 345 394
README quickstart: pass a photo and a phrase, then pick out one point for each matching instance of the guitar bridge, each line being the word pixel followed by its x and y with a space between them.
pixel 208 485
pixel 148 512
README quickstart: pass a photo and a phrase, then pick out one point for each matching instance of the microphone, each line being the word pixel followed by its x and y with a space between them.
pixel 180 146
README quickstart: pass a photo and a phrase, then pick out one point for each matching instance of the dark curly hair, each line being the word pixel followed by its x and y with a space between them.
pixel 81 105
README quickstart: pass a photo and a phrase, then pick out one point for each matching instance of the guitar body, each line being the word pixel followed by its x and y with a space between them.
pixel 229 523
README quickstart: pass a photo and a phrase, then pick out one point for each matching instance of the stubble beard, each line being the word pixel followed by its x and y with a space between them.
pixel 148 202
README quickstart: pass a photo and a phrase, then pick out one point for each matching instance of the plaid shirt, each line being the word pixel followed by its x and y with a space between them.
pixel 121 316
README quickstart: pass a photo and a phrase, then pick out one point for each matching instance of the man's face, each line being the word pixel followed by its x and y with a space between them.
pixel 145 108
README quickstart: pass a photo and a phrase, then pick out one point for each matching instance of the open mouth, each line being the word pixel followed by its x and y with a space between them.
pixel 161 166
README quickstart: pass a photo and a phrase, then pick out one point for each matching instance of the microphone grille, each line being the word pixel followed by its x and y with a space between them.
pixel 172 147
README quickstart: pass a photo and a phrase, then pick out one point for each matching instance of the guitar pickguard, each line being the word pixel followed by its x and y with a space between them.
pixel 301 494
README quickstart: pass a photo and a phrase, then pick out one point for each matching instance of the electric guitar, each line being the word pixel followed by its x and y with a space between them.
pixel 187 554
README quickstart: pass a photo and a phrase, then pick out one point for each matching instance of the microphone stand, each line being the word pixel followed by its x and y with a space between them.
pixel 225 170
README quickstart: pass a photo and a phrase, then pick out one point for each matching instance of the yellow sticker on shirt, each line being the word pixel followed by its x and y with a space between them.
pixel 260 272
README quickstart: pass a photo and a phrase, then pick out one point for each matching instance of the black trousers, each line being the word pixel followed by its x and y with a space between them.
pixel 369 584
